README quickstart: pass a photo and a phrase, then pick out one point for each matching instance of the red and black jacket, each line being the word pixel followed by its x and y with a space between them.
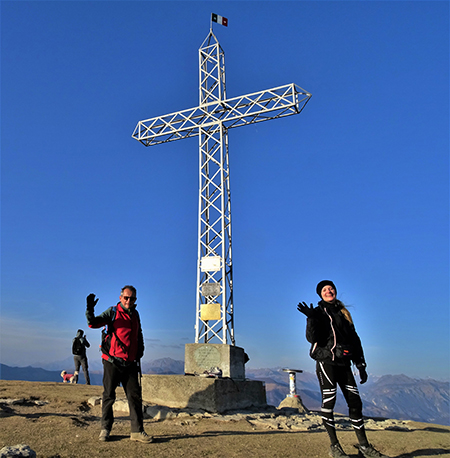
pixel 124 330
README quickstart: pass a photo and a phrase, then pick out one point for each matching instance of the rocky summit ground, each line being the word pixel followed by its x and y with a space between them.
pixel 58 420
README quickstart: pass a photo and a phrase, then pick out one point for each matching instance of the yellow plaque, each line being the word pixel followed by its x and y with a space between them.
pixel 210 312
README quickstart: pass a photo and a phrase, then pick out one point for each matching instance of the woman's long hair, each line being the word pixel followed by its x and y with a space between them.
pixel 345 312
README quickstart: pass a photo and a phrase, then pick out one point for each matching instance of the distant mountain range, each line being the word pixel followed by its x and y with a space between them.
pixel 390 396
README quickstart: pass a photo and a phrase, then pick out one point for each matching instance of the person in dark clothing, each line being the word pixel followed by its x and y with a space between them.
pixel 122 349
pixel 79 345
pixel 335 345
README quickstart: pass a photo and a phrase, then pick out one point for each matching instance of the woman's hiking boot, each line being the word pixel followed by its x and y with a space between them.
pixel 369 452
pixel 337 452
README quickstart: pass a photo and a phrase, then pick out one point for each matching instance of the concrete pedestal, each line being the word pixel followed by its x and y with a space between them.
pixel 293 402
pixel 230 359
pixel 210 394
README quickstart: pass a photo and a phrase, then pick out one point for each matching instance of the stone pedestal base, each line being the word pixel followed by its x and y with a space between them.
pixel 199 358
pixel 210 394
pixel 294 402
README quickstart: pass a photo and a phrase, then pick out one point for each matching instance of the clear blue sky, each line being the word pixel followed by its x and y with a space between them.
pixel 354 189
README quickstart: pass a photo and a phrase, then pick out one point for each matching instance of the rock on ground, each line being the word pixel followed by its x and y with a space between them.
pixel 21 450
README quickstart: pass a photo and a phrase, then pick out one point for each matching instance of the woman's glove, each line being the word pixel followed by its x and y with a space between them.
pixel 303 307
pixel 363 374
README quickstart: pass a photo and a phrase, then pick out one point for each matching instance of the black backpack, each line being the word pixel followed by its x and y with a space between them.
pixel 77 347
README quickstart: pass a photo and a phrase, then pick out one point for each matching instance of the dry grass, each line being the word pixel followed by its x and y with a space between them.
pixel 68 427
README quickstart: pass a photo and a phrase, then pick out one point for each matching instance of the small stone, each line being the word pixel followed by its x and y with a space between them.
pixel 21 450
pixel 12 402
pixel 95 401
pixel 121 405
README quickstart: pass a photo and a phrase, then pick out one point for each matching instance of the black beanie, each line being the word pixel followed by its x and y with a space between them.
pixel 323 283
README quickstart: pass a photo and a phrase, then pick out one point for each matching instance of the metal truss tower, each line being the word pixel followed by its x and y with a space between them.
pixel 210 121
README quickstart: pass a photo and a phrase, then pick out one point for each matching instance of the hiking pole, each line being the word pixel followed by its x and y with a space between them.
pixel 140 373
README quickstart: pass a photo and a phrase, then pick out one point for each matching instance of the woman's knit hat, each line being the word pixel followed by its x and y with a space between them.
pixel 323 283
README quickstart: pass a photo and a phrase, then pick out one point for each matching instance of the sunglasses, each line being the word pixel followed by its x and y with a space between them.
pixel 129 298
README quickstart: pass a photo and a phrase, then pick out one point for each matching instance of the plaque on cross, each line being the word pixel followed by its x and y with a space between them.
pixel 210 122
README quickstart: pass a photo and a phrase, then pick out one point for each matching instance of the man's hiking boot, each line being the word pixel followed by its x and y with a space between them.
pixel 104 435
pixel 369 452
pixel 141 437
pixel 337 452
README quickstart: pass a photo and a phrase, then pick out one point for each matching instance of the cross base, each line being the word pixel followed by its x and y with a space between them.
pixel 198 393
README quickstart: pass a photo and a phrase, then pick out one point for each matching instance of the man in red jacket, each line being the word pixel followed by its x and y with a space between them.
pixel 122 347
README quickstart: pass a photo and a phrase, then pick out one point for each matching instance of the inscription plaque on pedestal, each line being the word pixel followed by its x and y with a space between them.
pixel 207 356
pixel 201 358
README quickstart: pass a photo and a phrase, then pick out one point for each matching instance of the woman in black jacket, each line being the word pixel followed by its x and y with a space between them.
pixel 335 345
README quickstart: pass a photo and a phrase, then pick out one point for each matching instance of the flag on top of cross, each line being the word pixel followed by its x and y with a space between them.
pixel 219 19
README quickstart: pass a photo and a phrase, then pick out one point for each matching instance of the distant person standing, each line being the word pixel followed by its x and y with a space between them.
pixel 122 349
pixel 79 345
pixel 335 345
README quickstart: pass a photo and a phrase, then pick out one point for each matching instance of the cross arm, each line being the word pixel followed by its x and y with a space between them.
pixel 239 111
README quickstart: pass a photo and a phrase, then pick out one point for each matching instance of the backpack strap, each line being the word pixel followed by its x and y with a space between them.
pixel 111 330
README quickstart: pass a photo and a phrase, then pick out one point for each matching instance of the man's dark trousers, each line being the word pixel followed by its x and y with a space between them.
pixel 113 375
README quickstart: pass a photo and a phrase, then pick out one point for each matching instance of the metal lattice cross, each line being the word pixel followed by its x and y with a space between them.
pixel 210 121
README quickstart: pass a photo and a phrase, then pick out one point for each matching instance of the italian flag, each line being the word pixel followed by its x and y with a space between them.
pixel 219 19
